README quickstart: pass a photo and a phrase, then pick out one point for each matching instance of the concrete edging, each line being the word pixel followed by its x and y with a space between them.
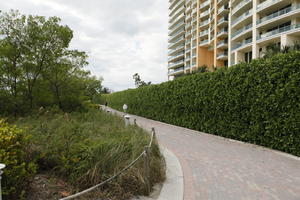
pixel 173 187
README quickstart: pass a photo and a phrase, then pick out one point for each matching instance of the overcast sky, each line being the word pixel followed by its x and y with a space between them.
pixel 121 37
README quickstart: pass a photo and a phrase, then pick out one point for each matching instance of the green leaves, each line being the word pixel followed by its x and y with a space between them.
pixel 37 68
pixel 256 102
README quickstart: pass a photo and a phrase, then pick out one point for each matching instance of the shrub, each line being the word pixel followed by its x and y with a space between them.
pixel 86 148
pixel 256 102
pixel 18 169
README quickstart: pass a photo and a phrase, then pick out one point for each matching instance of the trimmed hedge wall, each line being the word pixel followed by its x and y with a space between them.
pixel 257 102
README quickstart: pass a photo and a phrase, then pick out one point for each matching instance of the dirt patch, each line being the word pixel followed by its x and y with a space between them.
pixel 45 186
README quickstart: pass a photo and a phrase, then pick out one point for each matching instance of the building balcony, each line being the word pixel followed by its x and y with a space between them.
pixel 266 4
pixel 176 27
pixel 279 15
pixel 220 2
pixel 188 2
pixel 194 20
pixel 240 6
pixel 204 14
pixel 223 32
pixel 278 32
pixel 241 31
pixel 176 20
pixel 176 50
pixel 177 8
pixel 194 11
pixel 177 42
pixel 175 3
pixel 242 45
pixel 204 43
pixel 205 5
pixel 177 56
pixel 187 66
pixel 176 64
pixel 194 3
pixel 222 55
pixel 247 15
pixel 187 51
pixel 176 35
pixel 223 44
pixel 177 71
pixel 223 21
pixel 203 33
pixel 204 23
pixel 176 14
pixel 224 10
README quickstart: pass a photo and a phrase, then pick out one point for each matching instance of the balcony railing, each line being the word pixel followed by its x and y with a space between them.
pixel 176 70
pixel 222 55
pixel 176 56
pixel 176 34
pixel 206 3
pixel 177 25
pixel 222 43
pixel 177 40
pixel 278 13
pixel 223 8
pixel 202 33
pixel 222 31
pixel 241 44
pixel 244 29
pixel 176 63
pixel 223 19
pixel 204 14
pixel 175 49
pixel 278 31
pixel 174 14
pixel 203 42
pixel 243 16
pixel 205 22
pixel 266 4
pixel 240 5
pixel 175 5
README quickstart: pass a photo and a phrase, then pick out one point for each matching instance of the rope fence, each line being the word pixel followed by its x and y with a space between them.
pixel 145 153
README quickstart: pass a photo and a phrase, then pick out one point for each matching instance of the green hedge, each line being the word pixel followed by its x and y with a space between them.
pixel 257 102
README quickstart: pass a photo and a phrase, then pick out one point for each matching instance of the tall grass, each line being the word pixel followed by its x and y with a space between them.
pixel 87 148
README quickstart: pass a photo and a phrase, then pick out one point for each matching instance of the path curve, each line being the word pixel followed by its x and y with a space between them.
pixel 216 168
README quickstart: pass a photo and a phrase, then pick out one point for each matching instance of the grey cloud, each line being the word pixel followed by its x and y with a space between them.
pixel 122 37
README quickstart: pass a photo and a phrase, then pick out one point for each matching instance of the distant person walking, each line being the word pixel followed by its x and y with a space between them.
pixel 106 103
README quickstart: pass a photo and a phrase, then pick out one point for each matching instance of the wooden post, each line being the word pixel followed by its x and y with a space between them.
pixel 154 134
pixel 147 170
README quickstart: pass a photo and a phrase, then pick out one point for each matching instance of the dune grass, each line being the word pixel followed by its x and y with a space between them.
pixel 87 148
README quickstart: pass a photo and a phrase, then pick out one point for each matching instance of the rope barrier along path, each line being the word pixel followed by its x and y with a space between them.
pixel 144 153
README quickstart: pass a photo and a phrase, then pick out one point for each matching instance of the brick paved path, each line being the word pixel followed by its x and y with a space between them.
pixel 220 169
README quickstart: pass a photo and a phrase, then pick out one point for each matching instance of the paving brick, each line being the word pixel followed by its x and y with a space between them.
pixel 216 168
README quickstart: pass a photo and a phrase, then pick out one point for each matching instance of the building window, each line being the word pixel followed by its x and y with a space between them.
pixel 248 57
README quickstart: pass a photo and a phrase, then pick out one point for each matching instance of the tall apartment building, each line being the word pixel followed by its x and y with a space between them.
pixel 220 33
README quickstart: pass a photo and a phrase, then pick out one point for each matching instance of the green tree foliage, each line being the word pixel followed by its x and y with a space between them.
pixel 138 82
pixel 274 48
pixel 14 153
pixel 37 68
pixel 256 102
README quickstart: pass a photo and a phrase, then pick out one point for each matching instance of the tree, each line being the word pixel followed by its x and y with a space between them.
pixel 138 82
pixel 37 68
pixel 274 48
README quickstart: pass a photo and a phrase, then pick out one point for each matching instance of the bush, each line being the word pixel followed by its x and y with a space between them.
pixel 256 102
pixel 18 171
pixel 86 148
